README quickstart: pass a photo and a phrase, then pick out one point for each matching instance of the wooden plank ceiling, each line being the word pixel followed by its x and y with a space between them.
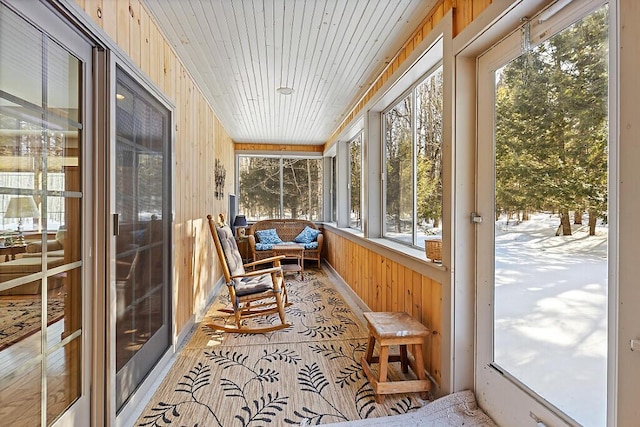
pixel 328 51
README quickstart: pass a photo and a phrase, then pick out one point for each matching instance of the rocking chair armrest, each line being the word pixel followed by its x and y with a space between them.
pixel 258 272
pixel 265 260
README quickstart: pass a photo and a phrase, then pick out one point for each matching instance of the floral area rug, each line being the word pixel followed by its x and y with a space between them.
pixel 307 374
pixel 20 318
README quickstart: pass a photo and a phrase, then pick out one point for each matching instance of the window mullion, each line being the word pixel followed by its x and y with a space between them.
pixel 414 140
pixel 281 187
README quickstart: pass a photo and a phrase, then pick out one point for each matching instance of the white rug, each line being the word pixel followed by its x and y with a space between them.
pixel 457 409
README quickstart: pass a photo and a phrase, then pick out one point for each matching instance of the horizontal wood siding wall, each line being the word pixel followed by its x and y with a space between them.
pixel 464 12
pixel 386 285
pixel 199 140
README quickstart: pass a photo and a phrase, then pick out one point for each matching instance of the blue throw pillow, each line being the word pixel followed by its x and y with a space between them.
pixel 307 235
pixel 269 237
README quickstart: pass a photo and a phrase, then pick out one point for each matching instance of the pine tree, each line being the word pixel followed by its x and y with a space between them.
pixel 551 125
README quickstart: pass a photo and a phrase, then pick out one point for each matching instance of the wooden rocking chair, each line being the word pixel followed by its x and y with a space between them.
pixel 252 293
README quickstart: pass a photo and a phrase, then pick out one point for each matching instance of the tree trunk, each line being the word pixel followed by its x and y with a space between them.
pixel 577 217
pixel 565 222
pixel 593 218
pixel 525 215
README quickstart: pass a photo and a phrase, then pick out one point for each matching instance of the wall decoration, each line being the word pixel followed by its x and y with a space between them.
pixel 220 175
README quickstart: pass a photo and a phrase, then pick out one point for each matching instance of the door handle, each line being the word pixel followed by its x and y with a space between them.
pixel 116 224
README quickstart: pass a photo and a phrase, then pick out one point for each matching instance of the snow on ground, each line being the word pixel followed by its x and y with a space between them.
pixel 551 313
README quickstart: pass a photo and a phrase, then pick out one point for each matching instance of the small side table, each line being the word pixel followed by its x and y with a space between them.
pixel 292 251
pixel 243 248
pixel 402 330
pixel 10 252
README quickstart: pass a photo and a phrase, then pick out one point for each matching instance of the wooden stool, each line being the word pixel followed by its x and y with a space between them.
pixel 395 329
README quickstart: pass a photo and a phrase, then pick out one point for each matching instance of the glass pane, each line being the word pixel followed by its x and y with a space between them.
pixel 429 157
pixel 551 232
pixel 21 320
pixel 21 395
pixel 63 83
pixel 64 305
pixel 63 379
pixel 334 200
pixel 21 59
pixel 259 187
pixel 21 148
pixel 399 172
pixel 302 188
pixel 355 156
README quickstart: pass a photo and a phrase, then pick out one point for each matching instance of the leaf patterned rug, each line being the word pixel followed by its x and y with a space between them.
pixel 307 374
pixel 20 318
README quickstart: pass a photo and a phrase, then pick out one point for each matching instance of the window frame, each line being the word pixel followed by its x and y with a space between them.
pixel 281 158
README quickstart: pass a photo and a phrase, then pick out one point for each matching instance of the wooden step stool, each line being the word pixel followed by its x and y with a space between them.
pixel 395 329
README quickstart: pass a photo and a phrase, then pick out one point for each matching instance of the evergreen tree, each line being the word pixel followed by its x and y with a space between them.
pixel 551 125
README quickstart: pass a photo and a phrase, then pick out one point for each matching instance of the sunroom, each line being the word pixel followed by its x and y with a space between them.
pixel 468 162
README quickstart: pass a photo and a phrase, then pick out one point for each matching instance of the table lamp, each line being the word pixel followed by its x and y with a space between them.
pixel 21 207
pixel 239 224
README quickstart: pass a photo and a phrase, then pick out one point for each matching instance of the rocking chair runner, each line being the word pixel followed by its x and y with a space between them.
pixel 252 293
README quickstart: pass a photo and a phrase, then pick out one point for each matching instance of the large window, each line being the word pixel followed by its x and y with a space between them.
pixel 413 163
pixel 355 172
pixel 280 187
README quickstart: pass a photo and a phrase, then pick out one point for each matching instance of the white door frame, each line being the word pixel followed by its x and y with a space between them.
pixel 624 318
pixel 508 403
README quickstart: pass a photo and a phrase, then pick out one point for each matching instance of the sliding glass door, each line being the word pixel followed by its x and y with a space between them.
pixel 142 228
pixel 45 140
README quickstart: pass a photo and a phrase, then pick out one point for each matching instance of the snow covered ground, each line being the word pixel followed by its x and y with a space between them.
pixel 551 313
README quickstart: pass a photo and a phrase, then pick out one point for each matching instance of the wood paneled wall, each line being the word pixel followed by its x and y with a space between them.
pixel 199 140
pixel 464 12
pixel 386 285
pixel 283 148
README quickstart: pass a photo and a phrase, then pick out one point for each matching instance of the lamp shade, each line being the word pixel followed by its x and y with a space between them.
pixel 22 207
pixel 240 221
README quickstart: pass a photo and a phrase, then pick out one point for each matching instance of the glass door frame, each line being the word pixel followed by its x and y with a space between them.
pixel 138 399
pixel 507 400
pixel 54 24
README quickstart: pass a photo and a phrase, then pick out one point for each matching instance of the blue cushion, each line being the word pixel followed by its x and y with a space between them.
pixel 264 246
pixel 307 235
pixel 269 236
pixel 312 245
